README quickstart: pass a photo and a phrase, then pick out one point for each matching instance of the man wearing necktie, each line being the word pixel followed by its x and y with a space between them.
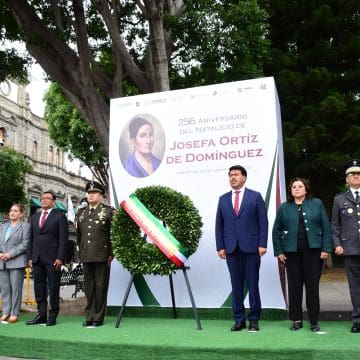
pixel 95 252
pixel 48 239
pixel 345 226
pixel 241 238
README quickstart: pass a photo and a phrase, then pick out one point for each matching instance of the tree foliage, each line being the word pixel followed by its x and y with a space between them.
pixel 70 39
pixel 219 41
pixel 98 49
pixel 13 168
pixel 73 134
pixel 13 64
pixel 315 52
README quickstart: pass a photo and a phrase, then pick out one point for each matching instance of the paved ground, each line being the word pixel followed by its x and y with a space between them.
pixel 334 297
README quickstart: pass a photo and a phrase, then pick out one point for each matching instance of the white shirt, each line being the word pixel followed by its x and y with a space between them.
pixel 241 195
pixel 353 192
pixel 42 212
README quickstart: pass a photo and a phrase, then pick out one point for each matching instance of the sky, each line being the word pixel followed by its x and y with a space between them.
pixel 36 90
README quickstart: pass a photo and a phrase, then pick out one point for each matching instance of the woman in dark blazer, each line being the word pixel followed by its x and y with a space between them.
pixel 301 240
pixel 14 242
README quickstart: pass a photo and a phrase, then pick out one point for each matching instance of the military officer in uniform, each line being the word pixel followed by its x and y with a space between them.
pixel 345 226
pixel 95 252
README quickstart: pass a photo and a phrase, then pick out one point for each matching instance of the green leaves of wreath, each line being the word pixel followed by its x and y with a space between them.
pixel 181 218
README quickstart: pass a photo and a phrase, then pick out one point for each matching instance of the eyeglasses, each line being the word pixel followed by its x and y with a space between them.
pixel 47 198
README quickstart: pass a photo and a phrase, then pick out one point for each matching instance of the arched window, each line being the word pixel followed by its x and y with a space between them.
pixel 2 136
pixel 35 149
pixel 51 155
pixel 58 157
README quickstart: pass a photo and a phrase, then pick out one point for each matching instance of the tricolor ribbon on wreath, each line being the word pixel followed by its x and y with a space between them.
pixel 155 230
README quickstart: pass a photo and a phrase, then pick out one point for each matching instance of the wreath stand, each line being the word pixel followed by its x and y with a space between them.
pixel 195 311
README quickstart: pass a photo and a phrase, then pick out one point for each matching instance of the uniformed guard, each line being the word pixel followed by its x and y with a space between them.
pixel 81 208
pixel 345 225
pixel 95 252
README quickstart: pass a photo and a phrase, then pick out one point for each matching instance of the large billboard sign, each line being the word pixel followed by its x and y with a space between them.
pixel 195 135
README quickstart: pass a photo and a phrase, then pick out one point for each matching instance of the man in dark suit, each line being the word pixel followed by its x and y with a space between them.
pixel 48 238
pixel 345 227
pixel 95 252
pixel 241 238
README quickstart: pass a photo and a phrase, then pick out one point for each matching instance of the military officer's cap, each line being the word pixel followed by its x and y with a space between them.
pixel 352 166
pixel 94 186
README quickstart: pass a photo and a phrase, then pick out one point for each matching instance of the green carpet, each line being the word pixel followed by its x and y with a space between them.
pixel 151 338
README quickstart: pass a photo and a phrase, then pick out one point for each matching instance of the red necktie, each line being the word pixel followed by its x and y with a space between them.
pixel 236 203
pixel 43 218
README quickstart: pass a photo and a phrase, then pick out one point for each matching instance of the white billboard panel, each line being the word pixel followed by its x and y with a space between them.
pixel 198 134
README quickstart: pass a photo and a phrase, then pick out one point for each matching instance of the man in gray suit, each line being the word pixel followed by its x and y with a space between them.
pixel 345 226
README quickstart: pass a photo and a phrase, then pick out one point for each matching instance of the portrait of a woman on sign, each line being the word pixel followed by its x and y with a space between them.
pixel 142 145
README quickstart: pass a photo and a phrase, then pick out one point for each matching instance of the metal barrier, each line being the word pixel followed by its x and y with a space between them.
pixel 73 277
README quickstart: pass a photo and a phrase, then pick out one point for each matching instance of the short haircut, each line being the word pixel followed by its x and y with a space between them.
pixel 49 192
pixel 238 167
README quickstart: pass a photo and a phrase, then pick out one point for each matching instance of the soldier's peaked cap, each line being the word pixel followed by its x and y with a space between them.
pixel 94 186
pixel 352 166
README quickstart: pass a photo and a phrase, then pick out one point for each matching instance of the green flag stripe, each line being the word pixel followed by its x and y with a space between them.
pixel 146 296
pixel 159 225
pixel 142 288
pixel 271 180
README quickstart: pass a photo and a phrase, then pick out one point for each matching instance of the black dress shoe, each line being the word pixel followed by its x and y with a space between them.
pixel 254 326
pixel 97 323
pixel 238 326
pixel 51 322
pixel 296 325
pixel 355 328
pixel 88 323
pixel 38 319
pixel 315 328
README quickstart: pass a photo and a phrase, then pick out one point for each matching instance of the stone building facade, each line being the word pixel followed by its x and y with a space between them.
pixel 27 133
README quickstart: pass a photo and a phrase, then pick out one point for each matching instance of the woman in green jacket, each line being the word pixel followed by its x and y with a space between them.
pixel 301 240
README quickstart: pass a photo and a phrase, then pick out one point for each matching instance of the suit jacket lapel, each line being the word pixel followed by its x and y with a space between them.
pixel 2 233
pixel 350 197
pixel 242 202
pixel 244 199
pixel 229 203
pixel 96 211
pixel 37 220
pixel 14 231
pixel 91 215
pixel 46 220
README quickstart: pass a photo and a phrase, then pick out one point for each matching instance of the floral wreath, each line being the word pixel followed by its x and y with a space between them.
pixel 179 215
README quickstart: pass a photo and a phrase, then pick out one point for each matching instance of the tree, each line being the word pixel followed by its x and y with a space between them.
pixel 98 49
pixel 73 134
pixel 315 60
pixel 68 38
pixel 13 168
